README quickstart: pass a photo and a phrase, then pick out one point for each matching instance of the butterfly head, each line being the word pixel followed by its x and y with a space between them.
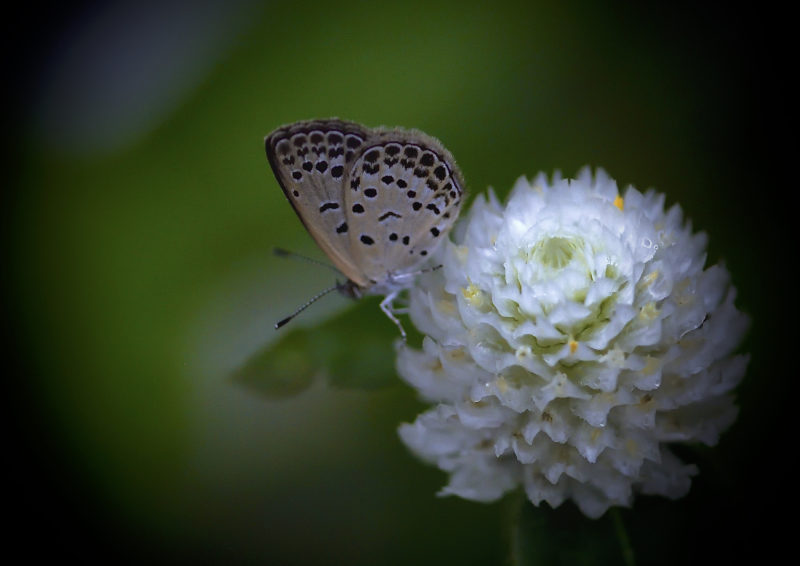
pixel 350 289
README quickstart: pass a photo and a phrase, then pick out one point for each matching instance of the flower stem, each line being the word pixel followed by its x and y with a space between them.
pixel 622 535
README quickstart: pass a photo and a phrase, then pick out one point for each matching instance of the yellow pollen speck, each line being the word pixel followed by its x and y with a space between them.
pixel 472 294
pixel 595 434
pixel 649 311
pixel 649 278
pixel 501 384
pixel 619 202
pixel 573 346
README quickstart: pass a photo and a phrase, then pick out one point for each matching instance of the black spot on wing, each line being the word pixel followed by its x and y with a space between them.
pixel 329 206
pixel 390 214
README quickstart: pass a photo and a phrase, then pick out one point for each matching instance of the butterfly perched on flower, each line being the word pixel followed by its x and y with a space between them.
pixel 377 201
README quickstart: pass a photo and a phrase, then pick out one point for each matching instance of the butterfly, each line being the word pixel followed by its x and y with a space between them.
pixel 377 201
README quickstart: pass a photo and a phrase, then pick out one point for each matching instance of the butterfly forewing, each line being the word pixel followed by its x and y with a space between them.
pixel 402 197
pixel 310 160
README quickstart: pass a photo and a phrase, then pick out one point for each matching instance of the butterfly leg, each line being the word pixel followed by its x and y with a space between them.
pixel 386 307
pixel 402 308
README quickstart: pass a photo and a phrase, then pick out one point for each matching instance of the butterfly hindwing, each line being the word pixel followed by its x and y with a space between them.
pixel 402 195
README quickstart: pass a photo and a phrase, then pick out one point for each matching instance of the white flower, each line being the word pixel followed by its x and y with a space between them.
pixel 571 336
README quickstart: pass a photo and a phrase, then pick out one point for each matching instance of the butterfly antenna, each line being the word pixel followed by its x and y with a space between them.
pixel 280 252
pixel 310 302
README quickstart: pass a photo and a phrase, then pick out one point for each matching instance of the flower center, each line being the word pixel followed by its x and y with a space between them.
pixel 556 252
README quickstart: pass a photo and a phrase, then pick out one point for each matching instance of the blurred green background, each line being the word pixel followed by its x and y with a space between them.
pixel 140 273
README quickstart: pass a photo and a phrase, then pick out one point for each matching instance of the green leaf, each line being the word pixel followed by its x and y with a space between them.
pixel 353 350
pixel 365 355
pixel 281 370
pixel 545 536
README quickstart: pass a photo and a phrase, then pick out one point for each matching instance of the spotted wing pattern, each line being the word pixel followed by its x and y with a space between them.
pixel 310 160
pixel 377 202
pixel 402 195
